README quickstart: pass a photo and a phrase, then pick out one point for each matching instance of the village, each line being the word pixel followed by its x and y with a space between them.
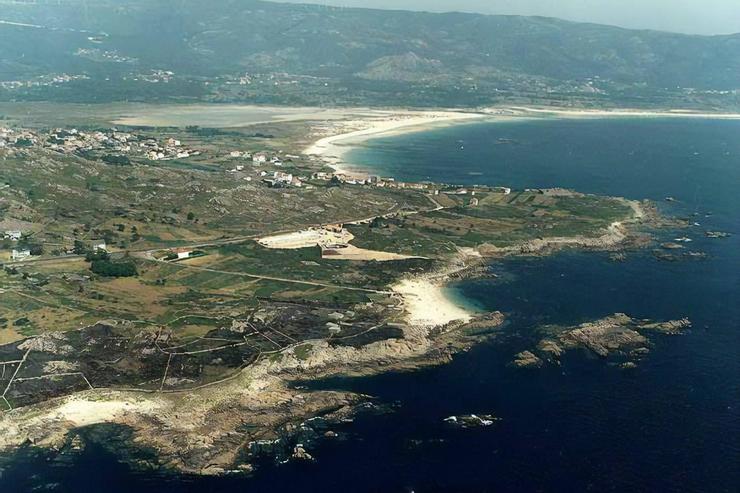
pixel 266 166
pixel 116 145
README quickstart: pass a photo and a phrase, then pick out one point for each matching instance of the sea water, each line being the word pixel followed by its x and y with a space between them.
pixel 672 424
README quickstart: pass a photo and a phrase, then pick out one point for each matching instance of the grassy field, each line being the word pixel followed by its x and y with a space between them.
pixel 498 219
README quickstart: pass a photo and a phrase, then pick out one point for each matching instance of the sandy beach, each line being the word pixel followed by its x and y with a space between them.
pixel 339 136
pixel 342 135
pixel 618 112
pixel 426 304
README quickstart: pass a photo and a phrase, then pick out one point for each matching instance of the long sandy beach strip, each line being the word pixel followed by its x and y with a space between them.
pixel 333 147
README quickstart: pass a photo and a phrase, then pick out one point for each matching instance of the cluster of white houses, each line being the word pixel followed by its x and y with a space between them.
pixel 275 179
pixel 257 157
pixel 20 254
pixel 15 236
pixel 170 149
pixel 73 141
pixel 22 138
pixel 364 179
pixel 280 179
pixel 41 81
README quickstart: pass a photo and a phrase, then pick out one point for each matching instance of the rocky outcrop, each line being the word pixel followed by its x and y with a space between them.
pixel 616 336
pixel 527 359
pixel 550 349
pixel 223 427
pixel 603 336
pixel 472 420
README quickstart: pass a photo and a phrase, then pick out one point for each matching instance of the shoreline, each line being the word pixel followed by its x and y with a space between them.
pixel 345 135
pixel 427 303
pixel 618 113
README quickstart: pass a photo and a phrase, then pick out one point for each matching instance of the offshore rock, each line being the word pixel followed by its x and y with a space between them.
pixel 615 335
pixel 527 359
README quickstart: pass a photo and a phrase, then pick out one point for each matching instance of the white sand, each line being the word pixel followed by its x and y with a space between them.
pixel 343 134
pixel 333 147
pixel 425 304
pixel 617 112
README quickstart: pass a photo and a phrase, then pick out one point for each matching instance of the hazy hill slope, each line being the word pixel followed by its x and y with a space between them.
pixel 226 38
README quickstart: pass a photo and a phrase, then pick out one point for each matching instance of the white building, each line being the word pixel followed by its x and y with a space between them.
pixel 281 177
pixel 321 175
pixel 183 253
pixel 100 247
pixel 13 235
pixel 20 254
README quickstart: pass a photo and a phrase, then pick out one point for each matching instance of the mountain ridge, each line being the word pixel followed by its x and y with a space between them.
pixel 447 59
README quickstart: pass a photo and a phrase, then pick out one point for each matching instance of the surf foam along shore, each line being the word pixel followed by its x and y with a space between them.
pixel 343 134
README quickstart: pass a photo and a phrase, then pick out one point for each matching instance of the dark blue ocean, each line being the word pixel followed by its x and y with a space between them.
pixel 673 424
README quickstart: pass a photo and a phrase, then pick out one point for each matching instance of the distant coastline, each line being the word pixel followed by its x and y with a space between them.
pixel 623 113
pixel 344 135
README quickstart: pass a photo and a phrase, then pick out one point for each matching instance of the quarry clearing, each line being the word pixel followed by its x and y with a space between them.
pixel 334 244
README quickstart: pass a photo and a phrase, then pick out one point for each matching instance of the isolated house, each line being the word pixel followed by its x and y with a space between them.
pixel 183 253
pixel 20 254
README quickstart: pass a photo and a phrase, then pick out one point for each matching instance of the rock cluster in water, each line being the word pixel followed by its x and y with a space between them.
pixel 472 420
pixel 617 336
